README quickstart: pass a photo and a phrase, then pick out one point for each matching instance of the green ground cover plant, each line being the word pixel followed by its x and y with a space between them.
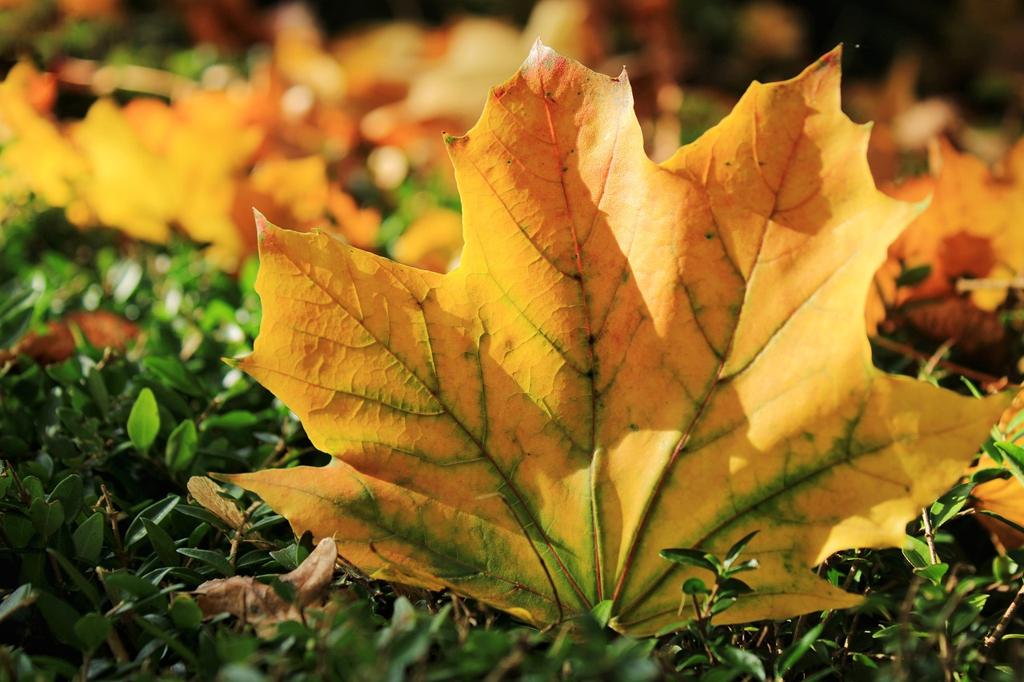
pixel 101 543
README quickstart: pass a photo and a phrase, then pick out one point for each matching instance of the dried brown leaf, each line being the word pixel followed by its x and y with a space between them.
pixel 258 603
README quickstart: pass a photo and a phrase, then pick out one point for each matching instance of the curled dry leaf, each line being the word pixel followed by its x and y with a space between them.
pixel 259 604
pixel 100 328
pixel 629 357
pixel 974 331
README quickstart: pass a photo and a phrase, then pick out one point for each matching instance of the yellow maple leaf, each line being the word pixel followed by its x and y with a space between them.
pixel 145 169
pixel 629 357
pixel 34 151
pixel 128 187
pixel 300 184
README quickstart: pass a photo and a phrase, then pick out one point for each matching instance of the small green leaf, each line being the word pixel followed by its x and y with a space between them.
pixel 285 590
pixel 161 542
pixel 216 560
pixel 602 612
pixel 69 493
pixel 80 581
pixel 949 505
pixel 739 546
pixel 695 586
pixel 235 648
pixel 88 539
pixel 98 390
pixel 743 566
pixel 1014 459
pixel 235 420
pixel 933 572
pixel 291 556
pixel 18 530
pixel 733 586
pixel 60 617
pixel 123 586
pixel 916 552
pixel 914 275
pixel 984 475
pixel 1012 524
pixel 156 512
pixel 46 517
pixel 185 613
pixel 795 651
pixel 689 557
pixel 173 373
pixel 144 421
pixel 169 639
pixel 18 599
pixel 181 446
pixel 1003 568
pixel 742 660
pixel 92 630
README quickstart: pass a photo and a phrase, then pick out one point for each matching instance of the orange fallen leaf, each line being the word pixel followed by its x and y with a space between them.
pixel 100 328
pixel 1004 496
pixel 967 232
pixel 432 242
pixel 359 226
pixel 629 357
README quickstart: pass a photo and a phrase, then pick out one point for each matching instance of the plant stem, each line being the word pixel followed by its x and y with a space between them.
pixel 929 536
pixel 1004 622
pixel 903 349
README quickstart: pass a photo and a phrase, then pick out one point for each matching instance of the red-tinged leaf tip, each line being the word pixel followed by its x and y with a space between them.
pixel 833 57
pixel 261 224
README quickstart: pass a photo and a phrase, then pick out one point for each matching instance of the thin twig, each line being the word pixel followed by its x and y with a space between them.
pixel 936 357
pixel 236 539
pixel 905 350
pixel 906 608
pixel 965 285
pixel 117 646
pixel 1004 622
pixel 111 513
